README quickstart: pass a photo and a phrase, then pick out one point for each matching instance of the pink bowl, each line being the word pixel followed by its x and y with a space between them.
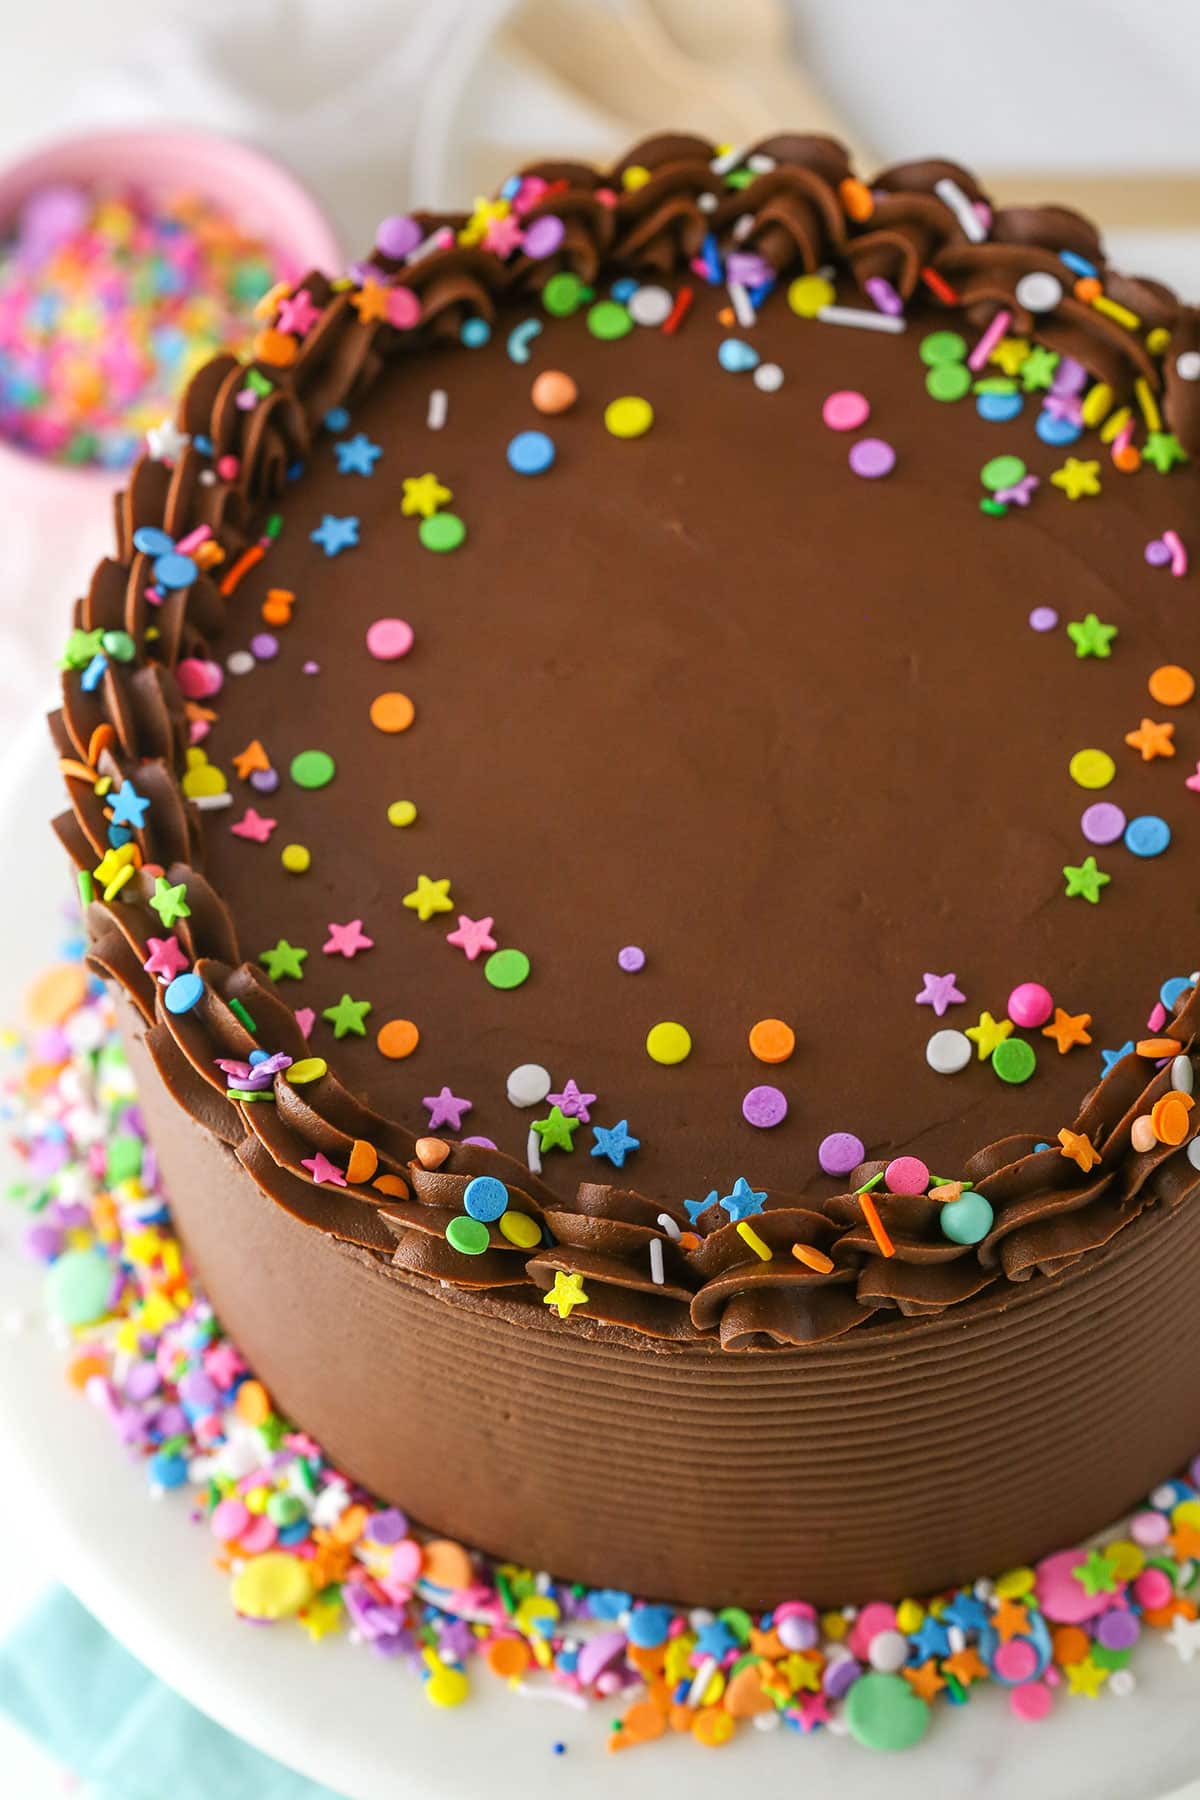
pixel 257 193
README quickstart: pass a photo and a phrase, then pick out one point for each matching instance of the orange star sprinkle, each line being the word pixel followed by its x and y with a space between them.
pixel 1152 740
pixel 370 302
pixel 1010 1620
pixel 1068 1029
pixel 1079 1149
pixel 924 1680
pixel 252 759
pixel 1185 1542
pixel 965 1666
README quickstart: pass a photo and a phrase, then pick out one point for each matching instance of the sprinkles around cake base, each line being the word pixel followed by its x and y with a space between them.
pixel 297 1541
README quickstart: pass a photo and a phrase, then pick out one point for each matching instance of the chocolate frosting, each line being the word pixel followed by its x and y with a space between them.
pixel 800 212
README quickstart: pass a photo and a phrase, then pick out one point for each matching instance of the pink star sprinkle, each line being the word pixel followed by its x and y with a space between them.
pixel 322 1170
pixel 472 936
pixel 572 1102
pixel 298 314
pixel 165 958
pixel 940 992
pixel 254 827
pixel 347 940
pixel 446 1109
pixel 1193 781
pixel 502 235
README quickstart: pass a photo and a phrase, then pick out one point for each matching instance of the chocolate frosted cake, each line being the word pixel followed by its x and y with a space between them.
pixel 632 770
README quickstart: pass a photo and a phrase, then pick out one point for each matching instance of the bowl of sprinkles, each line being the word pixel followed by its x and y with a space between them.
pixel 127 260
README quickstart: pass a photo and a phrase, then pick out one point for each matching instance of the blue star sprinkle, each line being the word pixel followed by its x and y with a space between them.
pixel 694 1208
pixel 615 1143
pixel 715 1639
pixel 335 535
pixel 357 455
pixel 128 806
pixel 1111 1057
pixel 744 1201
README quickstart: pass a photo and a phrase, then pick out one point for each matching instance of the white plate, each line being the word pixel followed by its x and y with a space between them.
pixel 362 1725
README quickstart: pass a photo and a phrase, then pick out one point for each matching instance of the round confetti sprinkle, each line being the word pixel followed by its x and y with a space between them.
pixel 942 347
pixel 296 858
pixel 1030 1005
pixel 736 356
pixel 1038 292
pixel 1103 823
pixel 485 1198
pixel 846 410
pixel 1014 1060
pixel 470 1237
pixel 401 812
pixel 475 333
pixel 608 319
pixel 998 408
pixel 1092 768
pixel 768 378
pixel 629 417
pixel 764 1106
pixel 668 1042
pixel 183 993
pixel 520 1229
pixel 1002 472
pixel 1148 835
pixel 442 531
pixel 631 958
pixel 948 1051
pixel 527 1084
pixel 530 453
pixel 1031 1701
pixel 309 1068
pixel 771 1041
pixel 397 1039
pixel 553 392
pixel 1171 685
pixel 948 381
pixel 507 968
pixel 389 639
pixel 265 646
pixel 312 769
pixel 1043 618
pixel 544 236
pixel 563 294
pixel 392 712
pixel 883 1712
pixel 969 1219
pixel 650 305
pixel 240 662
pixel 906 1175
pixel 840 1152
pixel 872 458
pixel 809 293
pixel 78 1286
pixel 272 1586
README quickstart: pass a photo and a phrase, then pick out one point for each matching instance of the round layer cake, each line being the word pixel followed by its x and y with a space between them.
pixel 632 767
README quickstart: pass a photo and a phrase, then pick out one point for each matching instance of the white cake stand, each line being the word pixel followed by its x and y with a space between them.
pixel 360 1724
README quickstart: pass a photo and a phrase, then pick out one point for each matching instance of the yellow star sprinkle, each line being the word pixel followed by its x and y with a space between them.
pixel 113 861
pixel 988 1033
pixel 1078 480
pixel 423 494
pixel 1085 1677
pixel 429 897
pixel 566 1293
pixel 483 213
pixel 1010 353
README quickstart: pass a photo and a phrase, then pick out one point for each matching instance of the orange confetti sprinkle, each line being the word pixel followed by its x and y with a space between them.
pixel 772 1041
pixel 277 607
pixel 446 1564
pixel 857 199
pixel 253 1403
pixel 56 994
pixel 392 712
pixel 363 1161
pixel 1087 288
pixel 508 1657
pixel 397 1039
pixel 1071 1645
pixel 1155 1048
pixel 391 1185
pixel 812 1258
pixel 1171 685
pixel 1169 1117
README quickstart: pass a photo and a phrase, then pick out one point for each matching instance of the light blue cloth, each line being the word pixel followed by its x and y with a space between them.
pixel 97 1711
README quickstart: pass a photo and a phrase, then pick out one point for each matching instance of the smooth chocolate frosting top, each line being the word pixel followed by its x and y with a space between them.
pixel 706 691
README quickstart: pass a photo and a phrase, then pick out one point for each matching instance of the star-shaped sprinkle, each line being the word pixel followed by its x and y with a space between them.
pixel 1163 450
pixel 1085 1677
pixel 165 442
pixel 615 1143
pixel 1090 637
pixel 1079 1149
pixel 429 897
pixel 573 1102
pixel 1097 1573
pixel 370 302
pixel 170 903
pixel 348 1016
pixel 694 1208
pixel 502 235
pixel 357 455
pixel 322 1170
pixel 111 864
pixel 128 806
pixel 1010 354
pixel 1152 739
pixel 284 962
pixel 251 760
pixel 988 1033
pixel 924 1680
pixel 1110 1058
pixel 1068 1029
pixel 1184 1637
pixel 347 940
pixel 446 1108
pixel 297 314
pixel 744 1201
pixel 253 827
pixel 567 1293
pixel 940 991
pixel 1010 1620
pixel 1078 480
pixel 1037 371
pixel 472 936
pixel 423 494
pixel 1193 781
pixel 557 1131
pixel 1085 880
pixel 336 534
pixel 165 958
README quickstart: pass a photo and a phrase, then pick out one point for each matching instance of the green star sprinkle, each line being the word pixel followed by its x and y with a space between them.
pixel 555 1132
pixel 347 1016
pixel 1164 450
pixel 1078 480
pixel 170 903
pixel 1037 371
pixel 1090 637
pixel 1098 1574
pixel 285 961
pixel 1085 880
